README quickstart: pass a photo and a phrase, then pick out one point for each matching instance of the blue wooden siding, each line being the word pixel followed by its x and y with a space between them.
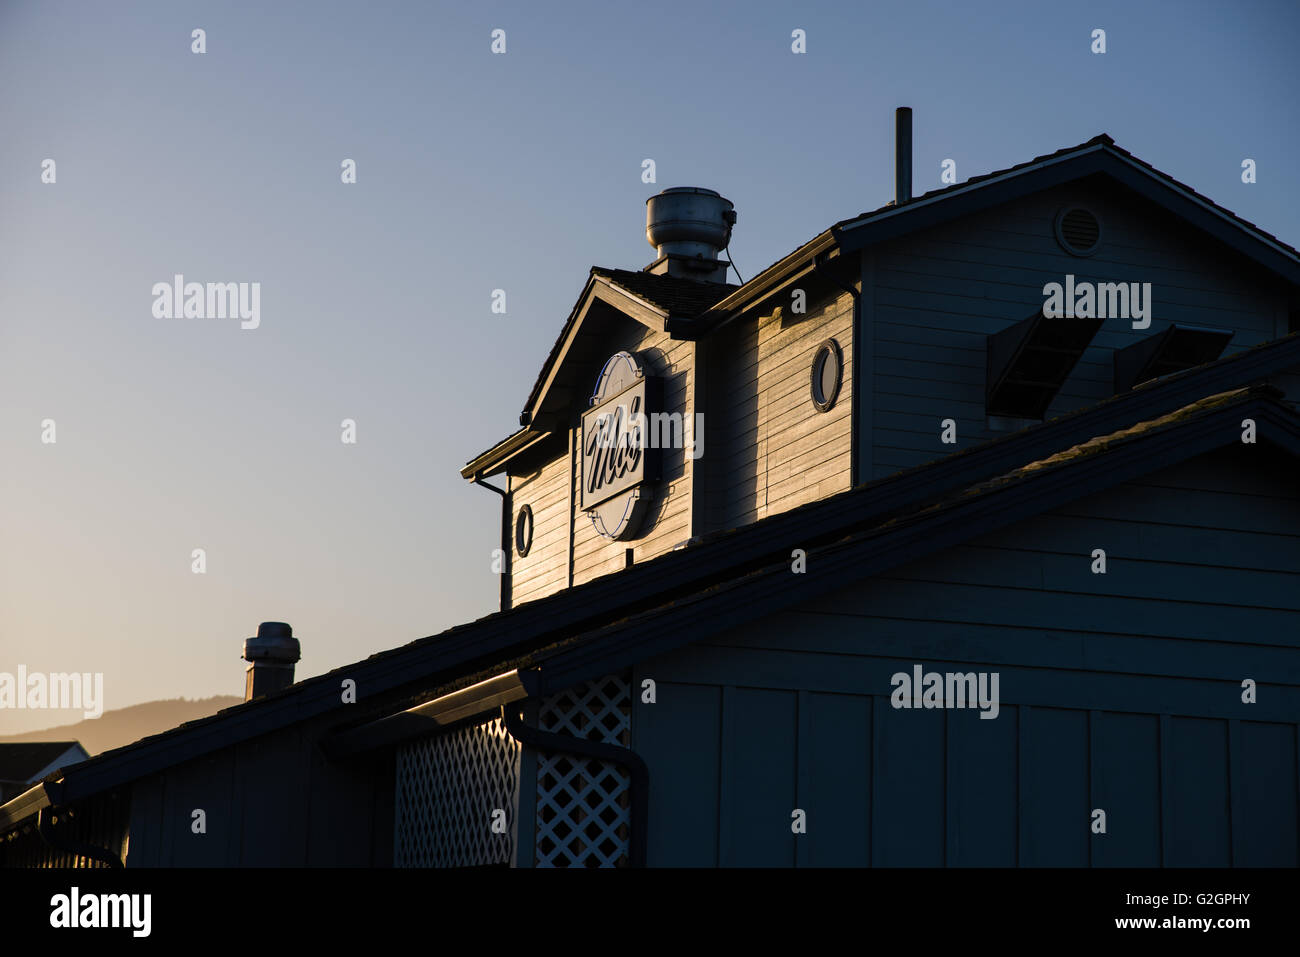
pixel 935 295
pixel 271 801
pixel 1119 691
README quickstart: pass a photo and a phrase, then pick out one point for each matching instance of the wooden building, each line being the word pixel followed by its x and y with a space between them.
pixel 869 560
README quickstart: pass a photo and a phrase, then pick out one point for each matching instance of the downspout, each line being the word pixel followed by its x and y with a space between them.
pixel 45 827
pixel 506 556
pixel 860 377
pixel 540 740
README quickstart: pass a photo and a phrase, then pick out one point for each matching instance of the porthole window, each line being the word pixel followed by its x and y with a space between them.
pixel 827 375
pixel 1078 230
pixel 524 530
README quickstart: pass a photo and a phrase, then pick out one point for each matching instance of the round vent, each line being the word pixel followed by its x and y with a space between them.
pixel 524 530
pixel 827 375
pixel 1078 231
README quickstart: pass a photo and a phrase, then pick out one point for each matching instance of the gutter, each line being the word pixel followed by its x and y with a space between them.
pixel 430 717
pixel 768 281
pixel 43 801
pixel 20 808
pixel 45 825
pixel 540 740
pixel 491 461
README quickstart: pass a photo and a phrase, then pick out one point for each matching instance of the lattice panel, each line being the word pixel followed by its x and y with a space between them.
pixel 583 804
pixel 448 787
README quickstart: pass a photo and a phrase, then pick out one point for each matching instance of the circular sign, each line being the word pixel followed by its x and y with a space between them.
pixel 619 464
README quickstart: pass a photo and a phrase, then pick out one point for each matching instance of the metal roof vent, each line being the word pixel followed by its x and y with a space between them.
pixel 1078 231
pixel 689 226
pixel 271 657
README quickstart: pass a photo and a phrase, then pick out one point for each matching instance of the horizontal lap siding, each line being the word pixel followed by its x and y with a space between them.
pixel 771 449
pixel 939 293
pixel 1119 692
pixel 545 569
pixel 669 519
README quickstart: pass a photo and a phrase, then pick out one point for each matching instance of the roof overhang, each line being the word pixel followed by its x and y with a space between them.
pixel 31 802
pixel 521 637
pixel 600 301
pixel 496 458
pixel 1092 467
pixel 431 716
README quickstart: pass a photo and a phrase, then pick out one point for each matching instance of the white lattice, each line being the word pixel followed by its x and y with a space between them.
pixel 448 788
pixel 582 804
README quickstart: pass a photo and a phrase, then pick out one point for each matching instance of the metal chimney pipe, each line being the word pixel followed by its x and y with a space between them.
pixel 271 657
pixel 902 155
pixel 689 226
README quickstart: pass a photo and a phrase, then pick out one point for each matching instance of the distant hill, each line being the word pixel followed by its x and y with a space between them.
pixel 122 726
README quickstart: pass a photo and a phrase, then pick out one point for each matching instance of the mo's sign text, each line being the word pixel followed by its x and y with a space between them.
pixel 619 466
pixel 616 443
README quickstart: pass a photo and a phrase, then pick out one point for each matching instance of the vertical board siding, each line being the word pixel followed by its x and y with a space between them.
pixel 1264 789
pixel 1055 825
pixel 762 778
pixel 269 801
pixel 937 294
pixel 834 786
pixel 1130 704
pixel 1197 829
pixel 1126 785
pixel 909 789
pixel 768 447
pixel 687 724
pixel 982 789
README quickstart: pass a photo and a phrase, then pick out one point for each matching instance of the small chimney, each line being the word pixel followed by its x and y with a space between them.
pixel 271 657
pixel 689 226
pixel 902 155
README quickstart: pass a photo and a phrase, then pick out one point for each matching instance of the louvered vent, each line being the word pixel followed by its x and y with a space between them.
pixel 1078 231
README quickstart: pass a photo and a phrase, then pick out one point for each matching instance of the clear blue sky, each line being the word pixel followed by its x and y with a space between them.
pixel 475 171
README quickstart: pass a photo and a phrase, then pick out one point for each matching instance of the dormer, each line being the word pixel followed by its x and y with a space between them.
pixel 892 339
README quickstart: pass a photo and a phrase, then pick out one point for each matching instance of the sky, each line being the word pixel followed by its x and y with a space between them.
pixel 475 171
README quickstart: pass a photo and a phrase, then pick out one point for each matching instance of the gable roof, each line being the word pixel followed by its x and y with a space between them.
pixel 566 630
pixel 658 302
pixel 23 761
pixel 684 298
pixel 1096 156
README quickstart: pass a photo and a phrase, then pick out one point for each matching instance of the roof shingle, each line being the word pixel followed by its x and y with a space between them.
pixel 684 298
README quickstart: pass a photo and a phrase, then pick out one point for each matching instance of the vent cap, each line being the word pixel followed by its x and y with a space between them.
pixel 689 226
